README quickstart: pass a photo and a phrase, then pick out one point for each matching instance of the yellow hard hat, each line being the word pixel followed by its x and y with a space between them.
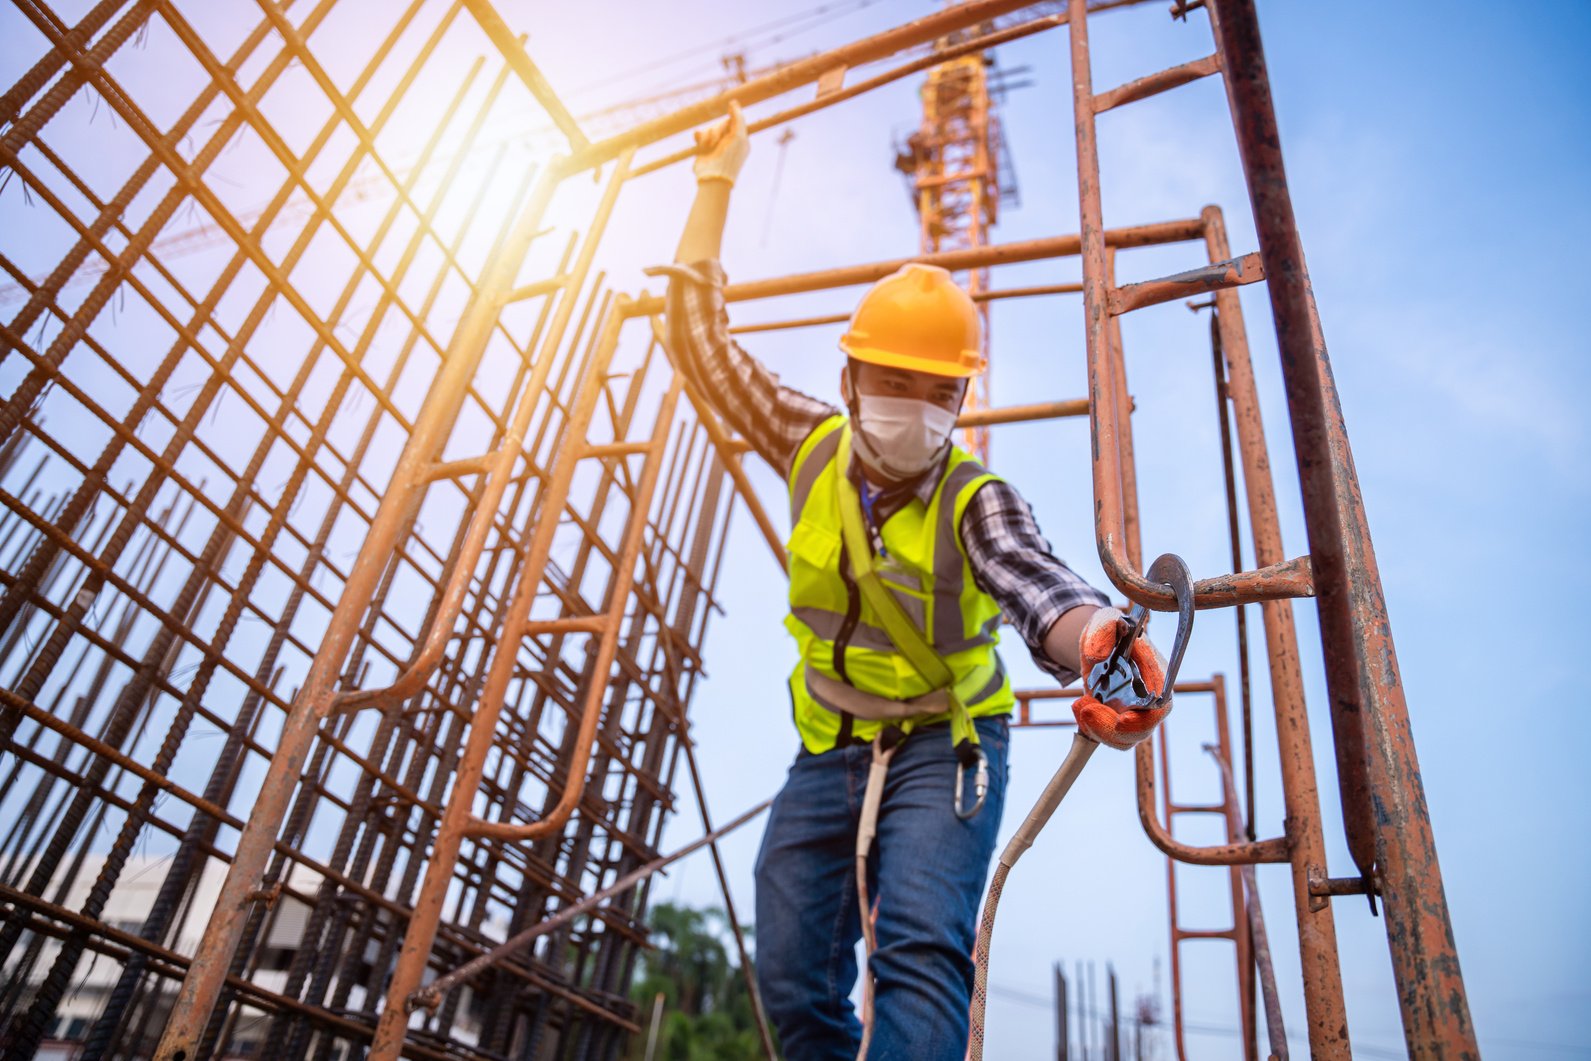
pixel 917 318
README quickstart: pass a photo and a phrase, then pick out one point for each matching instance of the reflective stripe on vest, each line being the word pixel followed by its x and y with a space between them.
pixel 924 565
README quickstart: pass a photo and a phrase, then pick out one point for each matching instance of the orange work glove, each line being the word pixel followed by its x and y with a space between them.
pixel 1117 727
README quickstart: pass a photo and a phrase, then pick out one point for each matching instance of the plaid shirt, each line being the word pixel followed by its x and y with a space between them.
pixel 1009 557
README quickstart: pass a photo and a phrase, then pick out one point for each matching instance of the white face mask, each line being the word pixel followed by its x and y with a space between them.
pixel 901 437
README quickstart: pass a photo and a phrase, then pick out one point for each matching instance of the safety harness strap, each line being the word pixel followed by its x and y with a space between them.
pixel 908 639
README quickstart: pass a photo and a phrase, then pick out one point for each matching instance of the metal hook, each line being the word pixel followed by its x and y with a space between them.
pixel 1171 571
pixel 980 785
pixel 1115 680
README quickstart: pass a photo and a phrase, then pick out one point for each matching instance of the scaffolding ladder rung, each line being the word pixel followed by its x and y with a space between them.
pixel 1017 414
pixel 1196 808
pixel 1156 83
pixel 1218 276
pixel 1205 933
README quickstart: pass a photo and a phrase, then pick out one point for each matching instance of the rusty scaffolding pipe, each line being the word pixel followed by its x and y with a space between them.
pixel 513 52
pixel 828 64
pixel 1117 543
pixel 841 318
pixel 1240 932
pixel 1300 789
pixel 826 100
pixel 1366 691
pixel 1181 231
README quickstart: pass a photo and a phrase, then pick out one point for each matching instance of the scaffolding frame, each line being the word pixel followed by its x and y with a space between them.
pixel 528 731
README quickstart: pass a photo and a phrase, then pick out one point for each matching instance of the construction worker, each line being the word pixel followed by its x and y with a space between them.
pixel 905 554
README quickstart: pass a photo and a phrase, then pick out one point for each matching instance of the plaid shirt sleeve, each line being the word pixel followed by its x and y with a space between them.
pixel 773 418
pixel 1013 563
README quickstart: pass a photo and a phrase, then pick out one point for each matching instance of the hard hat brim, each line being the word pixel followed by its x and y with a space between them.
pixel 970 364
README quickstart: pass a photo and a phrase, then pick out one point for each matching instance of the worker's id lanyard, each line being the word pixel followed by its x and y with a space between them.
pixel 869 495
pixel 886 564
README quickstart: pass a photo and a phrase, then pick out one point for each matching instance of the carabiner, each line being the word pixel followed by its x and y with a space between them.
pixel 980 785
pixel 1115 680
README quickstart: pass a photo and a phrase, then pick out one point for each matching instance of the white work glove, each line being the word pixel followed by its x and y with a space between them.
pixel 722 148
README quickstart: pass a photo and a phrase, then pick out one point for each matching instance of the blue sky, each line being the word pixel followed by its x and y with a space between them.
pixel 1438 156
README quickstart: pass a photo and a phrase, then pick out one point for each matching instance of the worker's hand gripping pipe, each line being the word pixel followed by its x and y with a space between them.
pixel 1116 683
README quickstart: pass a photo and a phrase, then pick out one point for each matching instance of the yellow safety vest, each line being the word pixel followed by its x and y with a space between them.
pixel 924 565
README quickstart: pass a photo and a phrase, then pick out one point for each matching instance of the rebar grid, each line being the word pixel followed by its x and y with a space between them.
pixel 200 427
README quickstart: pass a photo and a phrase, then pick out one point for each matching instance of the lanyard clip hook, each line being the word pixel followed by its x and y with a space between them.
pixel 1115 679
pixel 971 757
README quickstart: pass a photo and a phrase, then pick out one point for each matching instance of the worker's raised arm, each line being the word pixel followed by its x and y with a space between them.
pixel 721 152
pixel 773 418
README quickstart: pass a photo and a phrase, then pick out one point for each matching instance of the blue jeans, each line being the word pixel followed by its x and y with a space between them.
pixel 928 872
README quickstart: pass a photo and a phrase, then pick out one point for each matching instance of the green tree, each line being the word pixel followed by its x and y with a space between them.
pixel 707 1013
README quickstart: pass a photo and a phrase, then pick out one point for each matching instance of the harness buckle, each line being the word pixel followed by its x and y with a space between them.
pixel 980 781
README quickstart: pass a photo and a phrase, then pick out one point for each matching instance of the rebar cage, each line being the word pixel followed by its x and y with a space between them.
pixel 358 548
pixel 206 406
